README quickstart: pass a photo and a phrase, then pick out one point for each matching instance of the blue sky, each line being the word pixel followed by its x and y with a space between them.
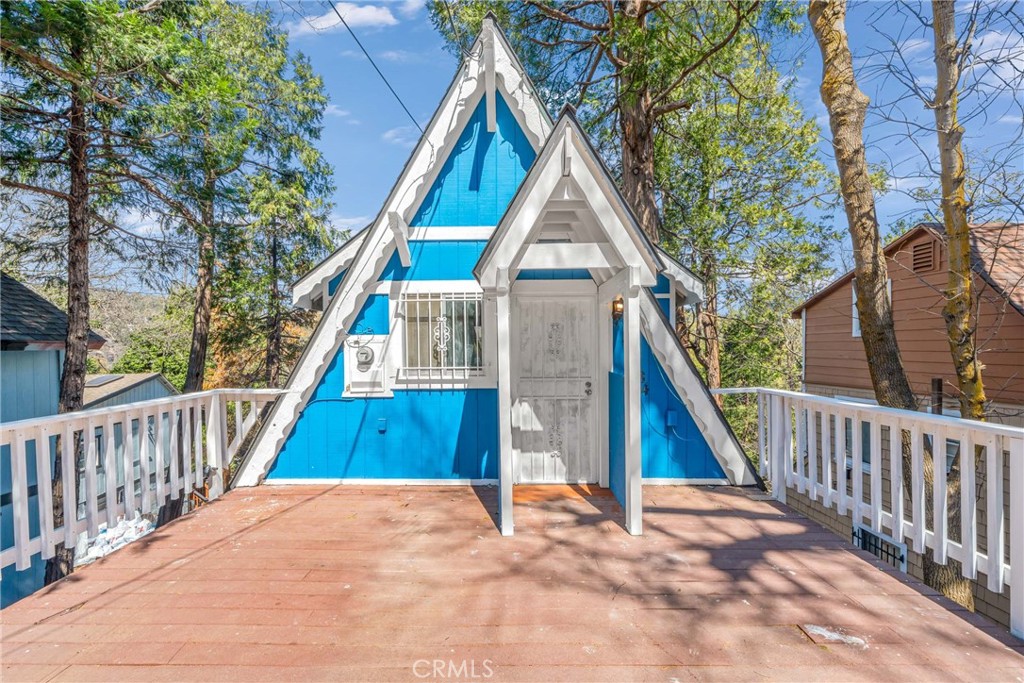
pixel 368 137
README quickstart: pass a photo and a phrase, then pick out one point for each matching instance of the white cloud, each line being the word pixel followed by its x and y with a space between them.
pixel 353 223
pixel 1012 119
pixel 998 61
pixel 335 110
pixel 914 46
pixel 402 56
pixel 410 8
pixel 403 136
pixel 373 16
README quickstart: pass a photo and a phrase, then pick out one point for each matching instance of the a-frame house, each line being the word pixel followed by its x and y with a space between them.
pixel 503 320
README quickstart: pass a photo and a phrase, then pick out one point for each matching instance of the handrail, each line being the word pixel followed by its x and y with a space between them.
pixel 127 459
pixel 837 453
pixel 947 421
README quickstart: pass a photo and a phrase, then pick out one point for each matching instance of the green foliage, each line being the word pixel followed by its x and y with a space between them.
pixel 163 345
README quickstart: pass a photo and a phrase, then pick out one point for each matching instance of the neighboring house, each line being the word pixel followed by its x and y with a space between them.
pixel 834 360
pixel 32 332
pixel 503 320
pixel 102 391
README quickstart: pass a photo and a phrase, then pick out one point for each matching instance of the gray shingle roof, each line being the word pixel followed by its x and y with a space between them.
pixel 29 318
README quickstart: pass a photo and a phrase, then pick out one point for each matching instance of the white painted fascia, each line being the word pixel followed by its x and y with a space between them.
pixel 694 393
pixel 568 157
pixel 686 283
pixel 376 247
pixel 315 281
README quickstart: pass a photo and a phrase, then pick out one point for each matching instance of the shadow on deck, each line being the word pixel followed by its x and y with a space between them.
pixel 357 583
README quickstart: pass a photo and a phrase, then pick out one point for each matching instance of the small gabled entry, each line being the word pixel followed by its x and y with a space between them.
pixel 569 221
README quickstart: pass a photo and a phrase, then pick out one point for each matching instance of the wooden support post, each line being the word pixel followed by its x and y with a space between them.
pixel 505 472
pixel 631 361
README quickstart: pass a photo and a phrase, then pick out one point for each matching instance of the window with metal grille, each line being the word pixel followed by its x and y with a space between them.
pixel 923 257
pixel 443 336
pixel 882 547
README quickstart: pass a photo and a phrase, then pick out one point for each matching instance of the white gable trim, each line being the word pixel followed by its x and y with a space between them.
pixel 568 162
pixel 694 393
pixel 314 283
pixel 686 283
pixel 376 248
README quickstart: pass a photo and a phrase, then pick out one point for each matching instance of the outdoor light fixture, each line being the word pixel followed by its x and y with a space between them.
pixel 618 306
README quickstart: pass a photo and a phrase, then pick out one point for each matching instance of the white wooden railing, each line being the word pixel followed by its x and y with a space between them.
pixel 178 446
pixel 811 444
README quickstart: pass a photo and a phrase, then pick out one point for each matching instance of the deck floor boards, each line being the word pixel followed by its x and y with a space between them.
pixel 375 583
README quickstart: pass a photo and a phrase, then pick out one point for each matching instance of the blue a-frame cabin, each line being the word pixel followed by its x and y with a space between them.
pixel 503 320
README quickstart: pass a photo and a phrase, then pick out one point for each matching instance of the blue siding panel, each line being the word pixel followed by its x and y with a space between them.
pixel 663 286
pixel 617 437
pixel 373 317
pixel 29 387
pixel 425 434
pixel 482 173
pixel 332 285
pixel 673 445
pixel 664 305
pixel 436 260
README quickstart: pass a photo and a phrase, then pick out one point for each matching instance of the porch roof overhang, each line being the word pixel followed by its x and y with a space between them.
pixel 568 215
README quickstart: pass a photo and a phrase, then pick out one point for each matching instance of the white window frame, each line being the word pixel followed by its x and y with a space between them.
pixel 440 372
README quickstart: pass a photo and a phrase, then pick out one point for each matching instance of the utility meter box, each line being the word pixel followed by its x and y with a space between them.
pixel 365 366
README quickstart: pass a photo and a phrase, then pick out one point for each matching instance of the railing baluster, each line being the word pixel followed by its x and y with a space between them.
pixel 175 474
pixel 762 456
pixel 19 501
pixel 875 453
pixel 857 467
pixel 812 449
pixel 110 470
pixel 787 411
pixel 44 485
pixel 896 479
pixel 69 476
pixel 842 471
pixel 994 512
pixel 128 463
pixel 146 451
pixel 826 456
pixel 186 451
pixel 917 503
pixel 801 446
pixel 92 497
pixel 968 506
pixel 160 462
pixel 197 442
pixel 940 506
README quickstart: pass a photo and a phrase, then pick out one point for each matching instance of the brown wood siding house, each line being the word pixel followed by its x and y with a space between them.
pixel 834 360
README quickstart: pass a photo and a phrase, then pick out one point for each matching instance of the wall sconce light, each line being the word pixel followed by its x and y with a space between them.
pixel 618 306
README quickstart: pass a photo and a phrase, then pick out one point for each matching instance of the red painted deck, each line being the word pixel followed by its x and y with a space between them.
pixel 352 583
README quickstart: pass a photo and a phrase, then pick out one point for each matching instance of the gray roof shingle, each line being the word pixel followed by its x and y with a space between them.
pixel 29 318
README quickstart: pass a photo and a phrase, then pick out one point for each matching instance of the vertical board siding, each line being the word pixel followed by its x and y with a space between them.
pixel 617 436
pixel 373 318
pixel 436 260
pixel 678 451
pixel 480 176
pixel 29 384
pixel 418 434
pixel 29 387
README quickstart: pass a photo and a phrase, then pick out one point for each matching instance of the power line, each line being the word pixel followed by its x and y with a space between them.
pixel 376 68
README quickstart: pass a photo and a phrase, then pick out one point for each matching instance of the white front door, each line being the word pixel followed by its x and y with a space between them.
pixel 553 422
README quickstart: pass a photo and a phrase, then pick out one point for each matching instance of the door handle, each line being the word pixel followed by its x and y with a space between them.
pixel 588 392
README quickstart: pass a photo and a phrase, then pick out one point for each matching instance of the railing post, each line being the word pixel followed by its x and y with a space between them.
pixel 762 417
pixel 777 434
pixel 216 447
pixel 1017 537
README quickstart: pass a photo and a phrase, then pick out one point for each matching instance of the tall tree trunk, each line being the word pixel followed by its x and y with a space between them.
pixel 204 294
pixel 959 289
pixel 637 124
pixel 274 319
pixel 707 321
pixel 847 106
pixel 76 345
